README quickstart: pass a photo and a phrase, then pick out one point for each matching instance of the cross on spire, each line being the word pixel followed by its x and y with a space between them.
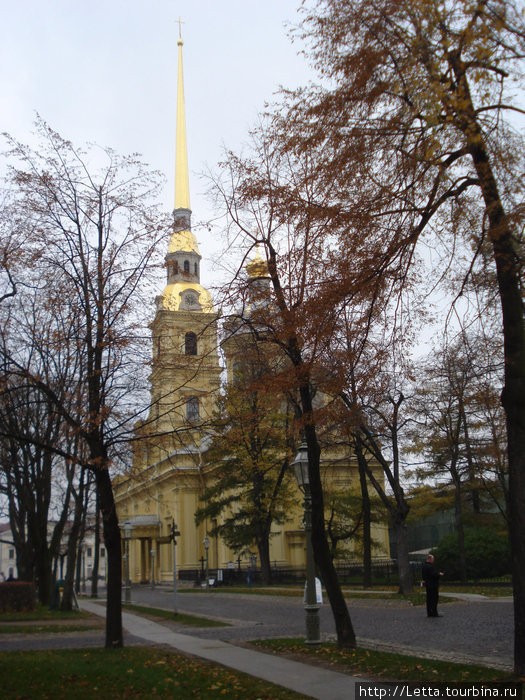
pixel 180 23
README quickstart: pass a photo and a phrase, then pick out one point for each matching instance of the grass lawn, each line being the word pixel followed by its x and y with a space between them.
pixel 43 620
pixel 55 621
pixel 416 598
pixel 47 628
pixel 378 592
pixel 488 591
pixel 381 665
pixel 181 618
pixel 134 672
pixel 42 613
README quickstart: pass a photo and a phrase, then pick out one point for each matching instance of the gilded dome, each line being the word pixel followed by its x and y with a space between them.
pixel 185 241
pixel 185 296
pixel 257 267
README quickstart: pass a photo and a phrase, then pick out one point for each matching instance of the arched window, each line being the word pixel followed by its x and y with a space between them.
pixel 192 408
pixel 186 266
pixel 190 344
pixel 195 269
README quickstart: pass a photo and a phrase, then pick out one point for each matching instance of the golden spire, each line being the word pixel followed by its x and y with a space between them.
pixel 182 180
pixel 182 237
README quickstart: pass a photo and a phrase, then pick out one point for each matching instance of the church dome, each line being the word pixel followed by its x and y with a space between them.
pixel 184 241
pixel 185 296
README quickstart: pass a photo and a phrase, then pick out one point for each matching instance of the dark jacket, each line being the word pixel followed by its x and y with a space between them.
pixel 430 575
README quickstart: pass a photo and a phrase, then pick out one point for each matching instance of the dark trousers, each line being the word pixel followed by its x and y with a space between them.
pixel 432 600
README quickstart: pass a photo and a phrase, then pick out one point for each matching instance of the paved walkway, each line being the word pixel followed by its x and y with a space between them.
pixel 312 681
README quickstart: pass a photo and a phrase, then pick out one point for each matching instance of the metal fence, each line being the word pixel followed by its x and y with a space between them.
pixel 383 573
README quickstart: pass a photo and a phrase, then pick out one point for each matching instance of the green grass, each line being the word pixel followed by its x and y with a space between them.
pixel 489 591
pixel 378 592
pixel 46 621
pixel 416 598
pixel 49 629
pixel 42 613
pixel 380 664
pixel 254 590
pixel 134 672
pixel 182 618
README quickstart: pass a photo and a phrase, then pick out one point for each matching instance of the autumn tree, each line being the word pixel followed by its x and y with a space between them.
pixel 94 234
pixel 249 490
pixel 39 505
pixel 379 427
pixel 349 517
pixel 266 195
pixel 370 359
pixel 414 139
pixel 458 426
pixel 11 239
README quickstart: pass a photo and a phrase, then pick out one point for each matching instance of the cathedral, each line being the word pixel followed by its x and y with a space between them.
pixel 161 492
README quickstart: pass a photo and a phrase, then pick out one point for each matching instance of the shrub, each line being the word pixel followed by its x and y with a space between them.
pixel 487 554
pixel 17 596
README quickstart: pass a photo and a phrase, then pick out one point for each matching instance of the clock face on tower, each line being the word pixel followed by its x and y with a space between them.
pixel 190 300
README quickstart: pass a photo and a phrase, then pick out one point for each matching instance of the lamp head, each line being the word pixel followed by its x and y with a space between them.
pixel 300 465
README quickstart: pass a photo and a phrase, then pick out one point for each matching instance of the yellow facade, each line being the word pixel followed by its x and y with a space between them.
pixel 169 469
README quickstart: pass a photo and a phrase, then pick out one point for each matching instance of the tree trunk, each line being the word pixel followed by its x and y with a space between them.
pixel 403 559
pixel 513 400
pixel 321 547
pixel 69 580
pixel 72 577
pixel 96 560
pixel 458 517
pixel 365 498
pixel 25 562
pixel 114 636
pixel 44 576
pixel 472 471
pixel 507 262
pixel 263 547
pixel 397 507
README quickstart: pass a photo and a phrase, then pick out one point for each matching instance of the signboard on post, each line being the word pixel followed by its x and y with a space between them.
pixel 318 592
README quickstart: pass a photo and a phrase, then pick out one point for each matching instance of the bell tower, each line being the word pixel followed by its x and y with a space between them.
pixel 185 365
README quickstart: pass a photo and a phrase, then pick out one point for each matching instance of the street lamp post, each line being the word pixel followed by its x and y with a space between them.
pixel 206 543
pixel 173 535
pixel 152 567
pixel 311 606
pixel 128 529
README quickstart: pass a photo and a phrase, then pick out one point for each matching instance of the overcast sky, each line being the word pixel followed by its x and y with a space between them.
pixel 105 71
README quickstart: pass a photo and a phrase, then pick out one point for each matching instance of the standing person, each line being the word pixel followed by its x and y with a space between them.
pixel 431 577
